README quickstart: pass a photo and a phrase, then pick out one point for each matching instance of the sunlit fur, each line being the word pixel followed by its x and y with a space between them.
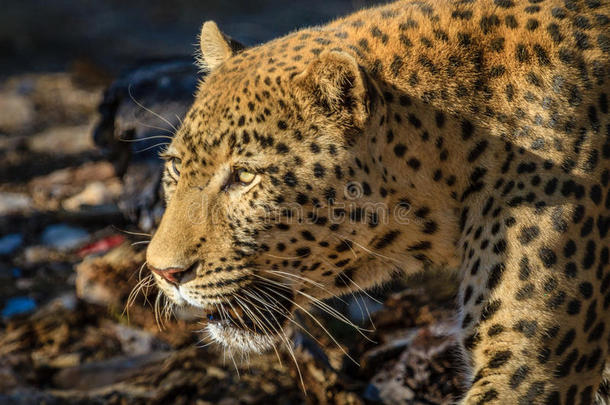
pixel 469 136
pixel 240 340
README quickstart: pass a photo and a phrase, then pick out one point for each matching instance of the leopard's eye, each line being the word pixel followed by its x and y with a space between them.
pixel 245 177
pixel 175 165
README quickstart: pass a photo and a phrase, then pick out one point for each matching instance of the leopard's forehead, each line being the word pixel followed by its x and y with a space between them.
pixel 245 110
pixel 261 75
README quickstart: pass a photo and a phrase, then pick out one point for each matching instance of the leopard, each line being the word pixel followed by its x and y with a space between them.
pixel 467 136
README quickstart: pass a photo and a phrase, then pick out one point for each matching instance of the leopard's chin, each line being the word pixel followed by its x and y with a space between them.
pixel 250 326
pixel 239 339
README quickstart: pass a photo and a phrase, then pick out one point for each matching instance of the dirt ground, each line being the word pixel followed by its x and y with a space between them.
pixel 70 259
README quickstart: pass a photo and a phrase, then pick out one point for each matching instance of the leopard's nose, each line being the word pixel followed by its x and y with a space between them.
pixel 176 275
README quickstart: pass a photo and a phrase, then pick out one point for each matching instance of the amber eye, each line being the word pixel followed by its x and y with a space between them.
pixel 175 165
pixel 245 177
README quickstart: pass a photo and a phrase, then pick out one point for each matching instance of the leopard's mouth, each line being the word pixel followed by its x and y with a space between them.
pixel 250 324
pixel 236 317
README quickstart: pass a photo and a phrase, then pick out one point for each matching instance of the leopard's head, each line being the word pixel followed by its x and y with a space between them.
pixel 269 208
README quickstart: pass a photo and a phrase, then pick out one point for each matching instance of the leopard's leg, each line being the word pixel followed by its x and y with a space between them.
pixel 536 317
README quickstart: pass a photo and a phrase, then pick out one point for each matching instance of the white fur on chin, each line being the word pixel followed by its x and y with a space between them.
pixel 239 339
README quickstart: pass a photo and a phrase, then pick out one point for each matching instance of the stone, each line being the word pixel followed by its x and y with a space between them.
pixel 14 203
pixel 95 193
pixel 9 243
pixel 18 306
pixel 17 113
pixel 64 237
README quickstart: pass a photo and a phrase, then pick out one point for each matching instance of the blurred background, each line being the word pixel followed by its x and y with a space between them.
pixel 81 84
pixel 42 36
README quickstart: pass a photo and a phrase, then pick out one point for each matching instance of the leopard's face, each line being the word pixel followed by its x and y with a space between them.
pixel 263 210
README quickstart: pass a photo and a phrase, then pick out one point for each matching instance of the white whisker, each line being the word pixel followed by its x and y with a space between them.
pixel 367 249
pixel 323 328
pixel 152 147
pixel 132 233
pixel 147 138
pixel 149 110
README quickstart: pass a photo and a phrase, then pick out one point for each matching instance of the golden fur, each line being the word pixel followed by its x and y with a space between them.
pixel 472 136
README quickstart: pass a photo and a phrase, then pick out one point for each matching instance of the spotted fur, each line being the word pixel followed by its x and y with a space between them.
pixel 466 135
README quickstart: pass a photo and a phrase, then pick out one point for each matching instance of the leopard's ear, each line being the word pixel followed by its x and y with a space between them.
pixel 338 86
pixel 215 47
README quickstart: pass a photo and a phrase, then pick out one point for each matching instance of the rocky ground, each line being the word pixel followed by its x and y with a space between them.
pixel 69 259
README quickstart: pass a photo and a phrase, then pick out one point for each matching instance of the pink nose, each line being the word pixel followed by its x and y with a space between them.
pixel 170 273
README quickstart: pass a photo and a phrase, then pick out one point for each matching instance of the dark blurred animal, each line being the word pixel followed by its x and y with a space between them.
pixel 139 114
